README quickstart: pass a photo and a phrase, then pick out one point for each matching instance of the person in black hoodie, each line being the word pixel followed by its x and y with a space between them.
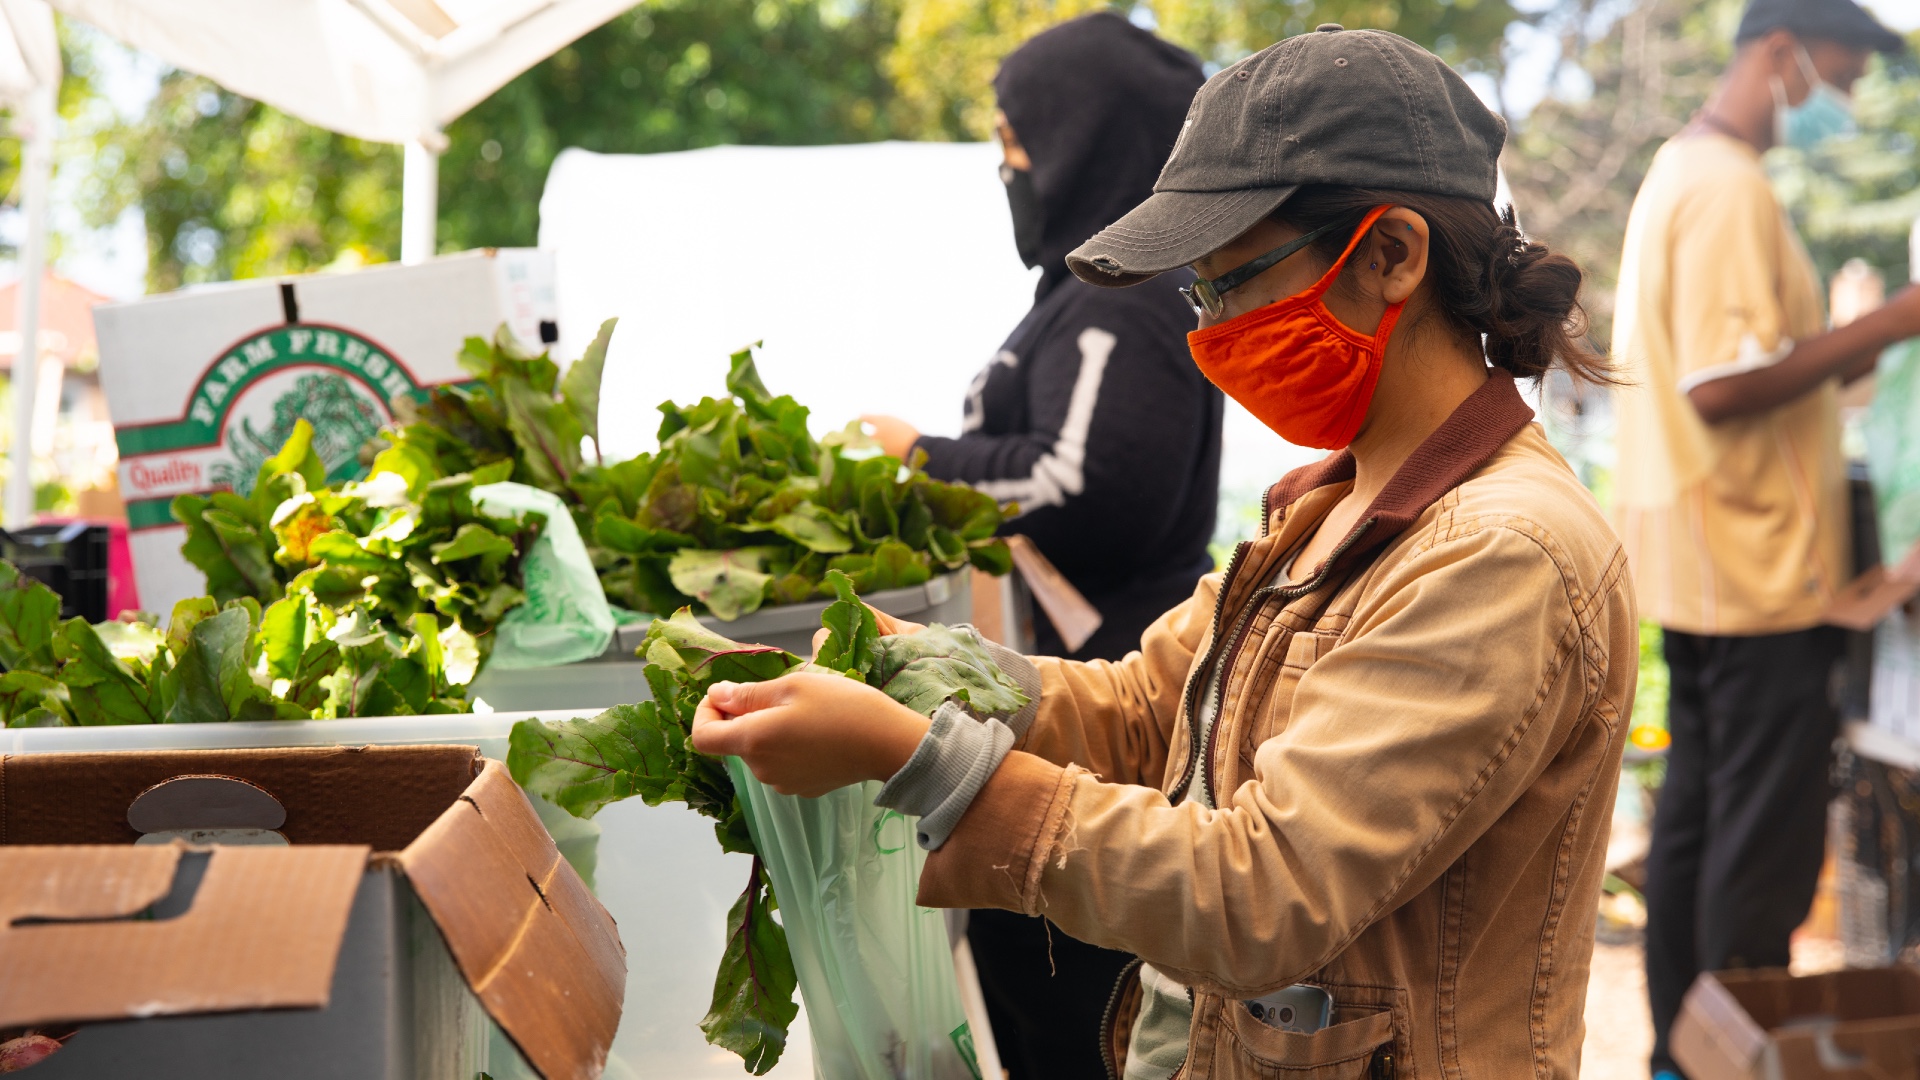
pixel 1094 419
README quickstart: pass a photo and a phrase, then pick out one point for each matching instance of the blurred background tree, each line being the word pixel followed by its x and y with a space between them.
pixel 230 188
pixel 946 51
pixel 1857 197
pixel 1577 159
pixel 669 75
pixel 1625 85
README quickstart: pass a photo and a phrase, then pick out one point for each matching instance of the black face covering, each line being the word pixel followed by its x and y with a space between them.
pixel 1097 103
pixel 1029 223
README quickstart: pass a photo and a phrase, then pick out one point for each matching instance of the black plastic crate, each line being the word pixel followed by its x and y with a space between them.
pixel 70 559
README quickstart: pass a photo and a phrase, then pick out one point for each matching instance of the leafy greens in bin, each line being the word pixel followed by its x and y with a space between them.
pixel 361 566
pixel 217 662
pixel 740 506
pixel 643 750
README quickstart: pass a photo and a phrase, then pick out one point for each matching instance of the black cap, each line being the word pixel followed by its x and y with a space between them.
pixel 1358 108
pixel 1840 21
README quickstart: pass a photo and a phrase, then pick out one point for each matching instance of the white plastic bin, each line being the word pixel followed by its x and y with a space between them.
pixel 615 678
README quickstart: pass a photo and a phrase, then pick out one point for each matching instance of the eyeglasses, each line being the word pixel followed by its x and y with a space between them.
pixel 1209 297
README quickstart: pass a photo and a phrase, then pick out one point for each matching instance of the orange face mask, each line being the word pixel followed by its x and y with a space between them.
pixel 1296 367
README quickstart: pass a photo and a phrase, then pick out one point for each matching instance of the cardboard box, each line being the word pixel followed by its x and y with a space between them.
pixel 204 384
pixel 625 854
pixel 370 903
pixel 1766 1024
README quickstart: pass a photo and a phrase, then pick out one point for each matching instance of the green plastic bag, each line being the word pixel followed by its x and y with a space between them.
pixel 565 618
pixel 875 969
pixel 1892 432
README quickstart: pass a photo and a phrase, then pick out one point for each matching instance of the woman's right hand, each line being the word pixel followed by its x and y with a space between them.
pixel 887 624
pixel 807 733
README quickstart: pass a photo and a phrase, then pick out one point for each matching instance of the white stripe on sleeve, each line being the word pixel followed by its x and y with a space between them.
pixel 1061 471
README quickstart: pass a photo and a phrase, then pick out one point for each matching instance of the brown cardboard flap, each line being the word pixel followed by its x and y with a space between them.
pixel 1867 599
pixel 1071 613
pixel 542 955
pixel 1713 1037
pixel 1767 1024
pixel 82 882
pixel 263 931
pixel 382 796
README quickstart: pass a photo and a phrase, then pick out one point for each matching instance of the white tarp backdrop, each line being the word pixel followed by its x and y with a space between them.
pixel 882 278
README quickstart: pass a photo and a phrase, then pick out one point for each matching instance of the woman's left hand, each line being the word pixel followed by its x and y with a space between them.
pixel 895 436
pixel 808 733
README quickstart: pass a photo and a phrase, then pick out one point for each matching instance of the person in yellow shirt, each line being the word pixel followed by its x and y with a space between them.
pixel 1731 498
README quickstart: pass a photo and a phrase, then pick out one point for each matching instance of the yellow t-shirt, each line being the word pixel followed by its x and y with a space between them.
pixel 1738 527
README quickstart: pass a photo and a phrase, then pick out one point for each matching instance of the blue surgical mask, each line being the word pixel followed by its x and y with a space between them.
pixel 1824 114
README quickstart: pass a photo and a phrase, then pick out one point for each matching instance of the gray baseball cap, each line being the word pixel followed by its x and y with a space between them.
pixel 1358 108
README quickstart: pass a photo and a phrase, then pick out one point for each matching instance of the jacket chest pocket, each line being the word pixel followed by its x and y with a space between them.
pixel 1358 1045
pixel 1268 701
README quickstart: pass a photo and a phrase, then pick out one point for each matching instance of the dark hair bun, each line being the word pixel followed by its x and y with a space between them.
pixel 1533 314
pixel 1488 278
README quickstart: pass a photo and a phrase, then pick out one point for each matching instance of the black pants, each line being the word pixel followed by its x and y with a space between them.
pixel 1740 830
pixel 1045 1016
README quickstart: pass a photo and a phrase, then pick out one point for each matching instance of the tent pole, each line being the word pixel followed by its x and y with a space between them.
pixel 36 168
pixel 419 200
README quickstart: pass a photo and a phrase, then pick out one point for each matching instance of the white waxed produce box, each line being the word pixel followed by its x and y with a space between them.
pixel 657 869
pixel 205 383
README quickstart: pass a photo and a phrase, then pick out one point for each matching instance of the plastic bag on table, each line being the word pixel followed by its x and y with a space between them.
pixel 875 969
pixel 1892 432
pixel 565 617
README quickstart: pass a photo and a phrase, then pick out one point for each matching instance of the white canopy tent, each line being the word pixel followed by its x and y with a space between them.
pixel 29 87
pixel 386 70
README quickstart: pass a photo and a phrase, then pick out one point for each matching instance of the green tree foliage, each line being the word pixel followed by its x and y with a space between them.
pixel 1857 197
pixel 232 188
pixel 946 51
pixel 672 75
pixel 1577 160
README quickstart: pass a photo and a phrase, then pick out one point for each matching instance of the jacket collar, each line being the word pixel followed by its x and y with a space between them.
pixel 1477 428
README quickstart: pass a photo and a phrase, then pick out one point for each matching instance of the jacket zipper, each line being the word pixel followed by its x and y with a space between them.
pixel 1199 676
pixel 1111 1013
pixel 1259 597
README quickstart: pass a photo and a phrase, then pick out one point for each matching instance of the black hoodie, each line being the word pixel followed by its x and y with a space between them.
pixel 1092 416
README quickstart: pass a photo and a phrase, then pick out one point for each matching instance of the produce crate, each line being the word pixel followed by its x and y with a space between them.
pixel 615 678
pixel 70 559
pixel 1874 829
pixel 656 869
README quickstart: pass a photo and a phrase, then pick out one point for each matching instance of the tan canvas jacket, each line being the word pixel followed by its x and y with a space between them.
pixel 1415 763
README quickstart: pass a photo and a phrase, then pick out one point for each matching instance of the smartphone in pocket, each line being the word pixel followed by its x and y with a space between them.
pixel 1299 1008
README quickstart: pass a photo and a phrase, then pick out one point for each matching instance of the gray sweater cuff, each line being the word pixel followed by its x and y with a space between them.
pixel 1026 677
pixel 948 768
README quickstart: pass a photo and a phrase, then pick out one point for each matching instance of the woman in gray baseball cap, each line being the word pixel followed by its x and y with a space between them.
pixel 1348 803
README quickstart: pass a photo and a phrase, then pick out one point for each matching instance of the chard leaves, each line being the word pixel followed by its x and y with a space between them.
pixel 643 751
pixel 742 507
pixel 753 1004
